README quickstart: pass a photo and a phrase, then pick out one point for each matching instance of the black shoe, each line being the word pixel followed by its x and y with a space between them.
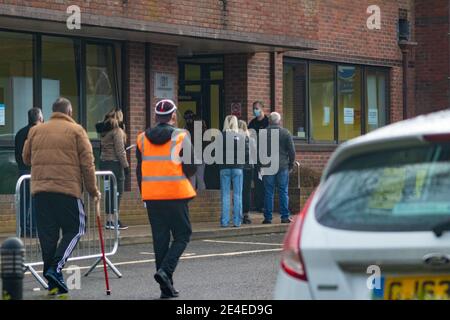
pixel 109 225
pixel 167 290
pixel 57 280
pixel 165 294
pixel 52 288
pixel 122 226
pixel 287 220
pixel 267 221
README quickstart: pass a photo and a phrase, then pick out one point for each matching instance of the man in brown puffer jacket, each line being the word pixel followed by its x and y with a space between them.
pixel 62 159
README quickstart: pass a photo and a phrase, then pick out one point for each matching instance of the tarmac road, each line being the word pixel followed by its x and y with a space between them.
pixel 219 269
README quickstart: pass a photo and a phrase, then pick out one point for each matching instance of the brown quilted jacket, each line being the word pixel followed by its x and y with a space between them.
pixel 113 146
pixel 61 157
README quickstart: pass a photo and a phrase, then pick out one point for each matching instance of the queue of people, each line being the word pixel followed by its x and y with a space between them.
pixel 60 158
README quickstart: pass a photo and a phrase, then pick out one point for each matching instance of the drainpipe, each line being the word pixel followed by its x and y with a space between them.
pixel 406 47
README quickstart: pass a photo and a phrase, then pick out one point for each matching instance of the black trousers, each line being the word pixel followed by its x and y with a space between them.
pixel 247 190
pixel 169 217
pixel 258 191
pixel 55 212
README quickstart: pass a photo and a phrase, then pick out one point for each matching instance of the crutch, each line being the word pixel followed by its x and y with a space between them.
pixel 99 225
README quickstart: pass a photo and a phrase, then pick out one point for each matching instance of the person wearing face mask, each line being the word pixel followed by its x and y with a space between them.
pixel 260 121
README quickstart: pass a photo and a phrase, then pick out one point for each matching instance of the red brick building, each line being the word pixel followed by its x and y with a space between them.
pixel 335 69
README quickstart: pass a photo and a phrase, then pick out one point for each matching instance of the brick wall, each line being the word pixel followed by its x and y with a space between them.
pixel 235 82
pixel 344 37
pixel 163 59
pixel 262 17
pixel 432 55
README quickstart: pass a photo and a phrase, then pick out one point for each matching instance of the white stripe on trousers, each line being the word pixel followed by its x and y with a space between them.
pixel 75 240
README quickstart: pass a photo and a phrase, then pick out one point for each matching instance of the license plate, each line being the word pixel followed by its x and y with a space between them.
pixel 414 288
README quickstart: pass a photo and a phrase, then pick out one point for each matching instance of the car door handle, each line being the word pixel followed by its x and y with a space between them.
pixel 436 259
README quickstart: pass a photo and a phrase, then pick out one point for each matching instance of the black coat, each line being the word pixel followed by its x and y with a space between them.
pixel 19 142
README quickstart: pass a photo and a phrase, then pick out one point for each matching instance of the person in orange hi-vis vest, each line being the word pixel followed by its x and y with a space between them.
pixel 163 180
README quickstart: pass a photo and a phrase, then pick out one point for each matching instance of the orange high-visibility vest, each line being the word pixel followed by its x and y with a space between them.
pixel 162 175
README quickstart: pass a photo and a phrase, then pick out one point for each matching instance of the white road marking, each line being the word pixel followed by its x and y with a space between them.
pixel 225 254
pixel 245 242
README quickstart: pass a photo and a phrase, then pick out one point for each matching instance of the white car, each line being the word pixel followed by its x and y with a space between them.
pixel 378 224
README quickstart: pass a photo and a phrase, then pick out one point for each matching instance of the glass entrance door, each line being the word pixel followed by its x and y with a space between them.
pixel 201 89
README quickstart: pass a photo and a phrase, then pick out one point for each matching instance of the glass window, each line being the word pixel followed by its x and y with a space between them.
pixel 349 102
pixel 59 73
pixel 216 74
pixel 294 91
pixel 101 87
pixel 405 189
pixel 321 95
pixel 375 99
pixel 16 82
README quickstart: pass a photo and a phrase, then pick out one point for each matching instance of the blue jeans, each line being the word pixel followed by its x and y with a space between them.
pixel 282 179
pixel 228 177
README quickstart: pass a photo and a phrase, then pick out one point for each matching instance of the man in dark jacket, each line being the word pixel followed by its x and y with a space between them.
pixel 27 216
pixel 281 178
pixel 260 121
pixel 166 191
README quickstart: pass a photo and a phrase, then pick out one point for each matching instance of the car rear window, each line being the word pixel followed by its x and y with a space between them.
pixel 392 190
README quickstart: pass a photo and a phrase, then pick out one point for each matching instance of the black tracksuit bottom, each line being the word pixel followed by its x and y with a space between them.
pixel 169 217
pixel 55 212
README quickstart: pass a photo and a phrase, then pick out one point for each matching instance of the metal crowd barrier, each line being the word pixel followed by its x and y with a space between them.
pixel 89 245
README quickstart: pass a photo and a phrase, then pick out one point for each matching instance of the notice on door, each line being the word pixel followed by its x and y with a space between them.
pixel 2 114
pixel 349 116
pixel 236 109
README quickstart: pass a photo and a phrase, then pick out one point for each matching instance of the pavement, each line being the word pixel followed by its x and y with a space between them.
pixel 209 230
pixel 201 230
pixel 236 267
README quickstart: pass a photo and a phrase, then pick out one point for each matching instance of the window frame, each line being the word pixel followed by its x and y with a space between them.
pixel 364 69
pixel 79 43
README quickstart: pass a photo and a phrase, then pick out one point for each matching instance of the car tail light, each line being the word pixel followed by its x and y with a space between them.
pixel 439 137
pixel 291 259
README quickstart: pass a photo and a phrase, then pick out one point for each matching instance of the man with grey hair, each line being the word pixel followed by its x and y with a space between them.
pixel 62 165
pixel 286 160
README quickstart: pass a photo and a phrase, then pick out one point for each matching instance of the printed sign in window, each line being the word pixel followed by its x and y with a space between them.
pixel 2 114
pixel 373 117
pixel 326 116
pixel 349 116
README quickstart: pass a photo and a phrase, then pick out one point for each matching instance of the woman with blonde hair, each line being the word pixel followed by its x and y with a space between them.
pixel 113 156
pixel 231 172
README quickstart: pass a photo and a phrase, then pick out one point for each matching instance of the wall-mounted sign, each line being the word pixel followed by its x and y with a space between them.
pixel 164 86
pixel 236 109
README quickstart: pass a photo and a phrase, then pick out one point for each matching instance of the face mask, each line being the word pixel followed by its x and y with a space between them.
pixel 257 112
